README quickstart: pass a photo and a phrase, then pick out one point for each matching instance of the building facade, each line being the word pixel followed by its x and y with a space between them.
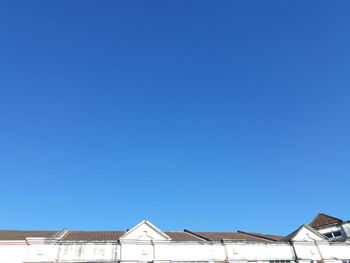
pixel 326 239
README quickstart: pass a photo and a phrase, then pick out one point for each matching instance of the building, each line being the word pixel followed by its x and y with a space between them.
pixel 325 239
pixel 331 227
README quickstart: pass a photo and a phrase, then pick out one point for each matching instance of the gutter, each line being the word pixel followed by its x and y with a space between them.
pixel 294 251
pixel 225 250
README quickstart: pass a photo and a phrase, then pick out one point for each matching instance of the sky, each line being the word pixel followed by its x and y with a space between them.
pixel 204 115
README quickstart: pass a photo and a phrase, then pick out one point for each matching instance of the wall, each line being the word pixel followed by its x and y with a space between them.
pixel 164 251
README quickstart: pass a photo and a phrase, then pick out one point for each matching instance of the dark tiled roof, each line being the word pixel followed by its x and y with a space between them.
pixel 92 235
pixel 22 235
pixel 182 236
pixel 264 236
pixel 115 235
pixel 216 236
pixel 85 235
pixel 323 219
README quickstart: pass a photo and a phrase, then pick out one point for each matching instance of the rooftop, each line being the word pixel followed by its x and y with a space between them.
pixel 186 235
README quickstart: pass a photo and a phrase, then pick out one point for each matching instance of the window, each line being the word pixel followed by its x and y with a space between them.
pixel 333 234
pixel 337 234
pixel 329 235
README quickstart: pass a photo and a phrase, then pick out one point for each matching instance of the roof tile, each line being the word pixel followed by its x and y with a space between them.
pixel 323 219
pixel 92 235
pixel 182 236
pixel 22 235
pixel 216 236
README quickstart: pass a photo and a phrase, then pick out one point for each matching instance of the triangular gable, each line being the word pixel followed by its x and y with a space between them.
pixel 305 233
pixel 145 230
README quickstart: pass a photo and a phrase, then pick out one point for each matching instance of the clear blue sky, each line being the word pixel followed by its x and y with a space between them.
pixel 206 115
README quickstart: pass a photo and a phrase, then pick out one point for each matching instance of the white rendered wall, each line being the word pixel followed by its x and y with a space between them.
pixel 87 252
pixel 163 251
pixel 340 251
pixel 260 251
pixel 182 251
pixel 346 227
pixel 13 253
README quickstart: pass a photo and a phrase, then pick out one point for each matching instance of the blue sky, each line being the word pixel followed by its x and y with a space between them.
pixel 206 115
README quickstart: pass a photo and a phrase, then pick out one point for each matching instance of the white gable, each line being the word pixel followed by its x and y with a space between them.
pixel 145 231
pixel 306 234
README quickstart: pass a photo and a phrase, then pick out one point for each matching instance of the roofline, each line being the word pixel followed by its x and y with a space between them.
pixel 156 229
pixel 197 235
pixel 322 214
pixel 258 236
pixel 229 239
pixel 294 233
pixel 332 224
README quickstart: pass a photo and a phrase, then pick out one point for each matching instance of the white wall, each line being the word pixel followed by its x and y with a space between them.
pixel 339 250
pixel 146 243
pixel 259 251
pixel 171 251
pixel 87 252
pixel 346 227
pixel 13 253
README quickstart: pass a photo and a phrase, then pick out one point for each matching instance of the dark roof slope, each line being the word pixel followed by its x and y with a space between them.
pixel 264 236
pixel 290 236
pixel 216 236
pixel 115 235
pixel 323 219
pixel 22 235
pixel 182 236
pixel 92 235
pixel 274 237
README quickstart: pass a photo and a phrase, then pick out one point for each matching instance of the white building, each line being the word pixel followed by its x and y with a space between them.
pixel 314 243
